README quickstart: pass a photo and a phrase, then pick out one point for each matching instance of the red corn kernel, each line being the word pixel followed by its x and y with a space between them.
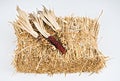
pixel 57 44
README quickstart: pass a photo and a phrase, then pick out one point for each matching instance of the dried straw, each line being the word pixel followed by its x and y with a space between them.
pixel 78 35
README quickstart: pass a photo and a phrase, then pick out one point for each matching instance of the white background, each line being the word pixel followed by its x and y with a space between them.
pixel 109 36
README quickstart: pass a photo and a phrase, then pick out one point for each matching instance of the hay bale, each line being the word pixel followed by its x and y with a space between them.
pixel 78 35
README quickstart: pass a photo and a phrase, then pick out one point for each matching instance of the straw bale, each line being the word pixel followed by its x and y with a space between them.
pixel 78 35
